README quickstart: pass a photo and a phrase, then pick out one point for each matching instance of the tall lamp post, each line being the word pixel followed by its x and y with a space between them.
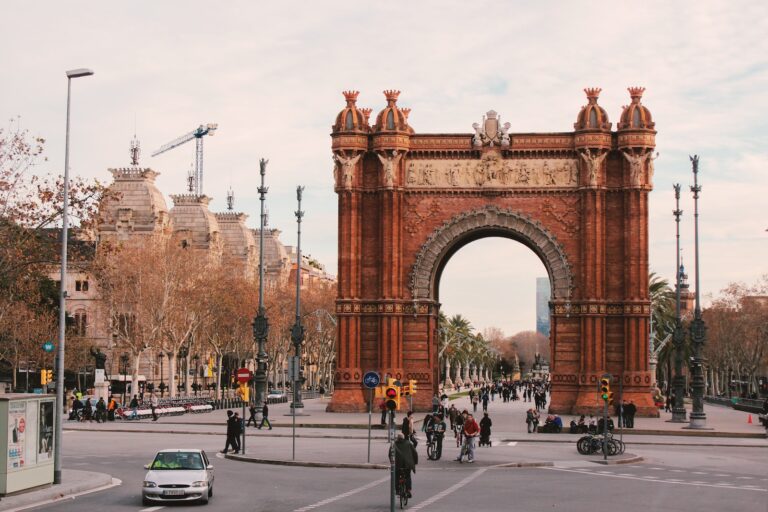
pixel 181 361
pixel 297 331
pixel 678 337
pixel 162 382
pixel 196 359
pixel 698 329
pixel 261 322
pixel 124 363
pixel 74 73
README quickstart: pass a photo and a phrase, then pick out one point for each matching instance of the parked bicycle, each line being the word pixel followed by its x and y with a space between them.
pixel 593 443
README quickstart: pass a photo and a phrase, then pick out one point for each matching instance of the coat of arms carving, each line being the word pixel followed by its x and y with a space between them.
pixel 491 131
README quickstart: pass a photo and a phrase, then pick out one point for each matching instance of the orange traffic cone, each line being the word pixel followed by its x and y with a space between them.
pixel 749 420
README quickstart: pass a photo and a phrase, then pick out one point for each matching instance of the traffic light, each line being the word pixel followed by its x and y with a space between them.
pixel 406 390
pixel 605 389
pixel 412 386
pixel 43 377
pixel 393 398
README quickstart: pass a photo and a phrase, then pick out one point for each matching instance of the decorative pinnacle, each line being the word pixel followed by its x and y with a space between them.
pixel 351 97
pixel 391 96
pixel 593 93
pixel 366 113
pixel 636 93
pixel 405 112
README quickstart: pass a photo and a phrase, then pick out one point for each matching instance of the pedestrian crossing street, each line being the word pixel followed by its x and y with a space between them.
pixel 670 475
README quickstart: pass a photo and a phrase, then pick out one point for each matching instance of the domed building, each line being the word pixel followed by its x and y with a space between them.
pixel 194 224
pixel 592 116
pixel 636 116
pixel 392 118
pixel 239 244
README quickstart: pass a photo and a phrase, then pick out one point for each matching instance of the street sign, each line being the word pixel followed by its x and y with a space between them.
pixel 243 375
pixel 48 346
pixel 371 380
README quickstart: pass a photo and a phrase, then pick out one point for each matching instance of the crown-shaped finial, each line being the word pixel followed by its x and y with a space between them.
pixel 366 113
pixel 405 112
pixel 351 97
pixel 391 96
pixel 636 93
pixel 593 93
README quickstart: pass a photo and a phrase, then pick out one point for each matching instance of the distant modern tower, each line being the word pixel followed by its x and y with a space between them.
pixel 543 294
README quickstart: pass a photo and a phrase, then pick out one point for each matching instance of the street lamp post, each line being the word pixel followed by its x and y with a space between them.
pixel 297 331
pixel 698 329
pixel 162 383
pixel 678 337
pixel 74 73
pixel 181 361
pixel 196 358
pixel 261 322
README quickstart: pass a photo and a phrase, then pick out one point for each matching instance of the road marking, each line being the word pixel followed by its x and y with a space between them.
pixel 723 485
pixel 513 443
pixel 720 474
pixel 744 477
pixel 698 473
pixel 449 490
pixel 677 470
pixel 342 496
pixel 657 469
pixel 151 509
pixel 115 483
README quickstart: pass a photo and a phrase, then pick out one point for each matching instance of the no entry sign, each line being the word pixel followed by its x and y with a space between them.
pixel 243 375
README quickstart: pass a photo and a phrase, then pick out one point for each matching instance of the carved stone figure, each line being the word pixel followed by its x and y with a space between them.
pixel 99 357
pixel 505 134
pixel 549 175
pixel 491 131
pixel 635 167
pixel 477 140
pixel 651 167
pixel 411 178
pixel 593 163
pixel 389 163
pixel 347 169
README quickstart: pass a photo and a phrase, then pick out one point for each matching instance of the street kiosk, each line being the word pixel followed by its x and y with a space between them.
pixel 26 438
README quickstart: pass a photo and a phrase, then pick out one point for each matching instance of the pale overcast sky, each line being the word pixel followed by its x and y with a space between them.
pixel 271 75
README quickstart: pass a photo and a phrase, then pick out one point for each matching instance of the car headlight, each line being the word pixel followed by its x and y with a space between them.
pixel 199 483
pixel 147 483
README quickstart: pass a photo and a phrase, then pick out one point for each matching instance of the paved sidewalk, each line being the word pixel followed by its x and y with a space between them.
pixel 74 483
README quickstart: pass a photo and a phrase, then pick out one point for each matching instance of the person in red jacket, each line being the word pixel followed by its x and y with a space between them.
pixel 470 430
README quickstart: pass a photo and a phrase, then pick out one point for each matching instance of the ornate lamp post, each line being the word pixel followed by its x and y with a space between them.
pixel 261 323
pixel 195 385
pixel 678 337
pixel 162 382
pixel 181 360
pixel 297 331
pixel 698 329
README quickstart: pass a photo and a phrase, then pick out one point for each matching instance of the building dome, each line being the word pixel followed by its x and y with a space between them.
pixel 194 224
pixel 635 116
pixel 392 118
pixel 592 116
pixel 134 205
pixel 352 119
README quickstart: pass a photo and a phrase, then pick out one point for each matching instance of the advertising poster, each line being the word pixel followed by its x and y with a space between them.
pixel 17 425
pixel 45 443
pixel 30 433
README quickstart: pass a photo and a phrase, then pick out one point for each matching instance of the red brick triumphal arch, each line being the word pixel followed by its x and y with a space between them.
pixel 409 201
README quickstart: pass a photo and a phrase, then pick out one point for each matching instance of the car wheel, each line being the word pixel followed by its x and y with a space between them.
pixel 204 499
pixel 210 491
pixel 145 501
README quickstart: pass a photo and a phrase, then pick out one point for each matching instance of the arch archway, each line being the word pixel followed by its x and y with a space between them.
pixel 408 201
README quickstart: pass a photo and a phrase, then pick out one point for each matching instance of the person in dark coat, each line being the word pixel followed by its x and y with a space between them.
pixel 485 430
pixel 629 414
pixel 265 417
pixel 231 428
pixel 406 459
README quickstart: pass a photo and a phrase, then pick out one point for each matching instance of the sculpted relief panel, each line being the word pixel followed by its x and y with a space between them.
pixel 492 171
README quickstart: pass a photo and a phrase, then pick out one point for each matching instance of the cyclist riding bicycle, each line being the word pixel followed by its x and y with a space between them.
pixel 406 459
pixel 438 432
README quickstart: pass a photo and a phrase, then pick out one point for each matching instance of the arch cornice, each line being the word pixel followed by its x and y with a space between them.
pixel 518 226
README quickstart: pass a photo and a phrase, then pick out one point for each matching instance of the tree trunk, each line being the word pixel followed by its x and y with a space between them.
pixel 135 376
pixel 187 380
pixel 218 376
pixel 171 375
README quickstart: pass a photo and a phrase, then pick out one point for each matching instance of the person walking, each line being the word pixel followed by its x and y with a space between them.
pixel 485 430
pixel 265 417
pixel 435 403
pixel 438 433
pixel 485 402
pixel 532 419
pixel 252 417
pixel 383 409
pixel 238 430
pixel 134 405
pixel 475 400
pixel 470 432
pixel 406 459
pixel 153 403
pixel 407 427
pixel 453 412
pixel 629 414
pixel 231 439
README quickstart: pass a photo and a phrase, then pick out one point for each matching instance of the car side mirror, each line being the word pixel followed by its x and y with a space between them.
pixel 146 466
pixel 209 466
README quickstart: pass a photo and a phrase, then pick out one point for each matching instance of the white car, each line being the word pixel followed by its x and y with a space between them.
pixel 178 475
pixel 276 394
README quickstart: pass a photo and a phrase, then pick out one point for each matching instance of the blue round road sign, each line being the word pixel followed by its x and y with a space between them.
pixel 48 346
pixel 371 380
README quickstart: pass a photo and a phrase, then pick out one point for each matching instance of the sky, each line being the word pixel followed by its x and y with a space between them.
pixel 271 75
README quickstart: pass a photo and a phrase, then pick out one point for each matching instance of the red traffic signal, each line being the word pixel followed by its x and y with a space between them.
pixel 393 398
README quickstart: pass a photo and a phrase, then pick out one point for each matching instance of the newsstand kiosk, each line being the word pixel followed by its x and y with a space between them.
pixel 26 438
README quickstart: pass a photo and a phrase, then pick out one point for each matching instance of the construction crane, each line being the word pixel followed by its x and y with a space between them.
pixel 197 134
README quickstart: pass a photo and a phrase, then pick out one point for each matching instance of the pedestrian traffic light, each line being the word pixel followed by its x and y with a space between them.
pixel 605 388
pixel 43 377
pixel 412 386
pixel 393 398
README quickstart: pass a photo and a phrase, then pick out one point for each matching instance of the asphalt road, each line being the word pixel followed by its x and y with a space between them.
pixel 671 479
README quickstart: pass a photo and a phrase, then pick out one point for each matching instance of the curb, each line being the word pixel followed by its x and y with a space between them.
pixel 526 465
pixel 308 464
pixel 202 433
pixel 631 460
pixel 58 493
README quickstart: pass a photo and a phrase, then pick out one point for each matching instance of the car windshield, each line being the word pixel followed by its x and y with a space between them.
pixel 177 460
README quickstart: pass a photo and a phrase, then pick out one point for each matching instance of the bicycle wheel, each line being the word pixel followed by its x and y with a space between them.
pixel 612 447
pixel 403 495
pixel 621 446
pixel 582 445
pixel 431 451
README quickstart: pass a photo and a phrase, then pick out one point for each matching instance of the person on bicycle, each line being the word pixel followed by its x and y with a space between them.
pixel 428 425
pixel 406 459
pixel 438 432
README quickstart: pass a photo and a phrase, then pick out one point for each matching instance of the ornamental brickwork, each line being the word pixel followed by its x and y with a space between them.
pixel 409 201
